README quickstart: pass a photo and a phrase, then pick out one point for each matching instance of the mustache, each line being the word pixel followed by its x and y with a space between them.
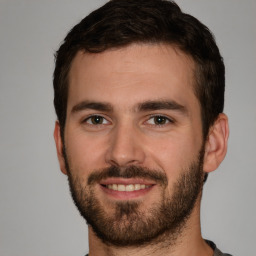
pixel 131 171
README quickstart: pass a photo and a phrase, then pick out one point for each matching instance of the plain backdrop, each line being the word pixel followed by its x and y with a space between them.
pixel 37 215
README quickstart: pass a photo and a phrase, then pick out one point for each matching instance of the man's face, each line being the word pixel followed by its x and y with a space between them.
pixel 133 141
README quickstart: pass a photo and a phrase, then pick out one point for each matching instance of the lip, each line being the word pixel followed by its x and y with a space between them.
pixel 125 195
pixel 125 181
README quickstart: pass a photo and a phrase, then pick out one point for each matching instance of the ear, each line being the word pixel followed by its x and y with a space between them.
pixel 59 147
pixel 216 144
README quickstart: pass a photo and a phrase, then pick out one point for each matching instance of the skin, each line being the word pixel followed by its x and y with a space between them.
pixel 124 79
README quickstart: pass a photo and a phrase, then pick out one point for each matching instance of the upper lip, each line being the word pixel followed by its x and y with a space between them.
pixel 126 181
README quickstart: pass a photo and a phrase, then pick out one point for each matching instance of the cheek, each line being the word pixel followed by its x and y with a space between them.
pixel 85 154
pixel 173 153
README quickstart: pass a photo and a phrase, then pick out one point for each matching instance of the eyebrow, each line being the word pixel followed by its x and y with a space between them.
pixel 100 106
pixel 161 105
pixel 143 107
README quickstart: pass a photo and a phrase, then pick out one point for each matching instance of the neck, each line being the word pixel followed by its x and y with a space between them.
pixel 189 242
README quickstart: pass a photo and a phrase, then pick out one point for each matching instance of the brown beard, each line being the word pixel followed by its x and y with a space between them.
pixel 128 225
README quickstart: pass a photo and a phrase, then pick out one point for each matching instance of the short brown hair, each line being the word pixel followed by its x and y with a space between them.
pixel 122 22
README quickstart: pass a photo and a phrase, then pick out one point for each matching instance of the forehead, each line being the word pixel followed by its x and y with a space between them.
pixel 135 73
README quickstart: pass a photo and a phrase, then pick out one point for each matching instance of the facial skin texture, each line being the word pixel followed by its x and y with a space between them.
pixel 136 107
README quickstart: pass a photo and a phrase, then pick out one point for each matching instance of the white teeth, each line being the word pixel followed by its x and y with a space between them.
pixel 121 187
pixel 128 188
pixel 142 186
pixel 137 187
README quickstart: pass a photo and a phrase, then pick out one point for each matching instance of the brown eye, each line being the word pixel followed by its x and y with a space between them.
pixel 160 120
pixel 96 120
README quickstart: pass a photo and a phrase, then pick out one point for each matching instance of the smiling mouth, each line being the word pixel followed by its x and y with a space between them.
pixel 127 188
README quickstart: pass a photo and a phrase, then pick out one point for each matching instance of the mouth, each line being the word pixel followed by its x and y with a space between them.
pixel 126 188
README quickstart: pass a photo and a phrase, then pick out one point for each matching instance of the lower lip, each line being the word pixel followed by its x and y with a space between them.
pixel 125 195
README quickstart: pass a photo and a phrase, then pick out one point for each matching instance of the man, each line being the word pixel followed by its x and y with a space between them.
pixel 139 95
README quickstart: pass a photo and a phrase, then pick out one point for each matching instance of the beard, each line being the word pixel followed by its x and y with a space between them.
pixel 126 223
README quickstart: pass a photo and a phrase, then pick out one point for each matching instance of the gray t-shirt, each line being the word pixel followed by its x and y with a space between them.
pixel 216 251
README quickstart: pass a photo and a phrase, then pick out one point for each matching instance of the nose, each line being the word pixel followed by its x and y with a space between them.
pixel 125 147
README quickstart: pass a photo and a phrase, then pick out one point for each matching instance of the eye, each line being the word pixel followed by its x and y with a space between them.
pixel 159 120
pixel 96 120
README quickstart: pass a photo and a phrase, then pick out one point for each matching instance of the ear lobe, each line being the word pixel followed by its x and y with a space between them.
pixel 216 144
pixel 59 147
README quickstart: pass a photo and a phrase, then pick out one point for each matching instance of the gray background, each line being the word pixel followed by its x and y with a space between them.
pixel 37 215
